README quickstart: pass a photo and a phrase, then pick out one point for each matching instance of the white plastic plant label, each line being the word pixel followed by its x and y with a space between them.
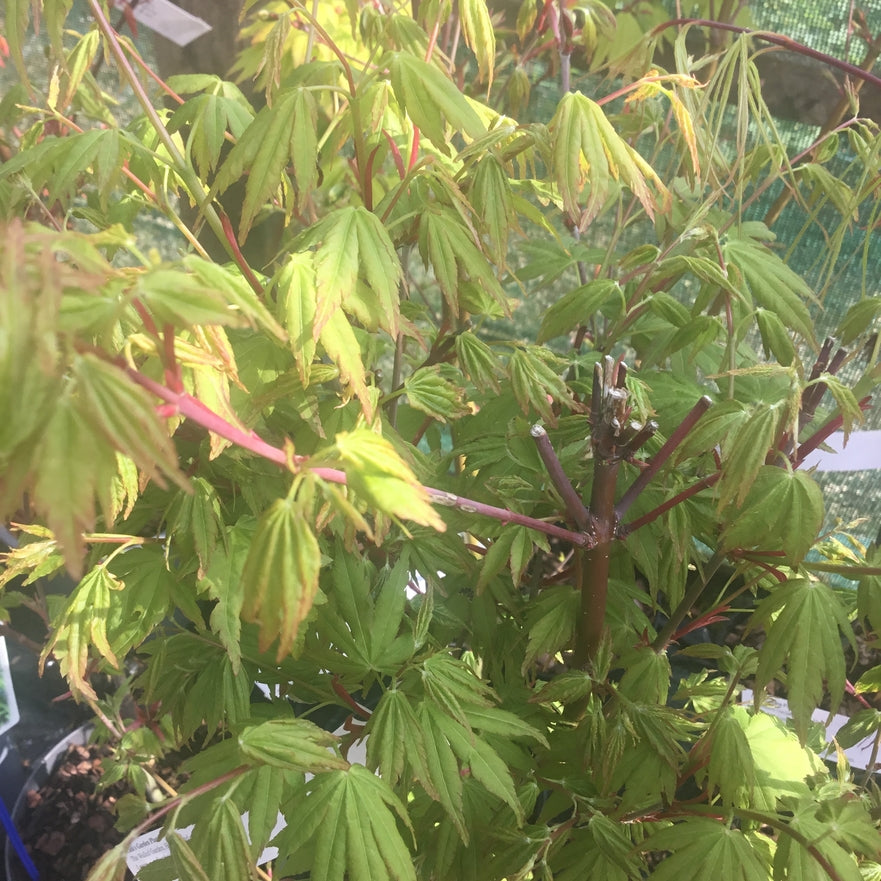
pixel 166 19
pixel 8 706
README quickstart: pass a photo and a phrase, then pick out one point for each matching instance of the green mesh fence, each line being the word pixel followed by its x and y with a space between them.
pixel 855 270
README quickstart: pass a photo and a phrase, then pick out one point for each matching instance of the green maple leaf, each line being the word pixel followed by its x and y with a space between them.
pixel 805 636
pixel 347 827
pixel 705 848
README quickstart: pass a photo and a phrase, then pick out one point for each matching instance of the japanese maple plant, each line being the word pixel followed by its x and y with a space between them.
pixel 495 454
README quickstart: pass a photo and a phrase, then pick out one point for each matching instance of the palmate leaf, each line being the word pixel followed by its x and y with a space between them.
pixel 746 451
pixel 578 307
pixel 81 625
pixel 480 36
pixel 124 414
pixel 280 576
pixel 772 284
pixel 197 518
pixel 364 615
pixel 551 622
pixel 783 510
pixel 281 134
pixel 209 117
pixel 730 767
pixel 837 828
pixel 194 681
pixel 478 361
pixel 431 99
pixel 481 760
pixel 63 164
pixel 860 318
pixel 223 579
pixel 294 284
pixel 535 381
pixel 145 600
pixel 186 863
pixel 73 462
pixel 428 391
pixel 352 243
pixel 452 250
pixel 346 827
pixel 781 765
pixel 380 477
pixel 603 849
pixel 493 202
pixel 220 844
pixel 705 848
pixel 588 152
pixel 290 744
pixel 395 740
pixel 243 305
pixel 805 635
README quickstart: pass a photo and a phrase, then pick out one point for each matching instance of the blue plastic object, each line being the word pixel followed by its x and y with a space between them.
pixel 17 843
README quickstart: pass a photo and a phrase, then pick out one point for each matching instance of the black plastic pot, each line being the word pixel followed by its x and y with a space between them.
pixel 42 771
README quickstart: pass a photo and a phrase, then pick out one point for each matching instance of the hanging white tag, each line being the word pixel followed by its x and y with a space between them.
pixel 169 20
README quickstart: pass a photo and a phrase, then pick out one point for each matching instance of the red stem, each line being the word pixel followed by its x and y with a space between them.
pixel 663 455
pixel 823 434
pixel 196 411
pixel 626 528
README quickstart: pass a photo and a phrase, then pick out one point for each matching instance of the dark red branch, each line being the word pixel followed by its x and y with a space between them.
pixel 626 528
pixel 658 462
pixel 574 506
pixel 776 40
pixel 823 434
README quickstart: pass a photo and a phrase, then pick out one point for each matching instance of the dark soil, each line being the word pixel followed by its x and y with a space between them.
pixel 69 822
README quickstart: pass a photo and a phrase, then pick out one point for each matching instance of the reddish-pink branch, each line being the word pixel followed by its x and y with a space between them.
pixel 193 409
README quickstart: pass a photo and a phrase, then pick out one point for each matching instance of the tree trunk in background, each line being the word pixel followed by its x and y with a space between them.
pixel 213 52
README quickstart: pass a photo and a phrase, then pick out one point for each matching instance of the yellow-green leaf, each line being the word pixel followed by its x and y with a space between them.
pixel 480 36
pixel 589 153
pixel 804 622
pixel 73 463
pixel 782 511
pixel 342 347
pixel 280 577
pixel 82 625
pixel 379 476
pixel 290 744
pixel 297 296
pixel 432 100
pixel 124 414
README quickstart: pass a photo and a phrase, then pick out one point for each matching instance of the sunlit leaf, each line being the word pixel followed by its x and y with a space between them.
pixel 432 100
pixel 124 414
pixel 804 622
pixel 220 845
pixel 291 744
pixel 480 36
pixel 341 345
pixel 590 154
pixel 704 848
pixel 73 463
pixel 379 475
pixel 81 625
pixel 429 392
